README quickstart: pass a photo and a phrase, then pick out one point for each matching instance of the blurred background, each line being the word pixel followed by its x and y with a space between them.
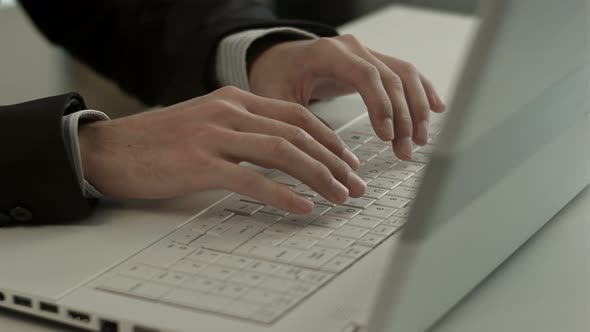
pixel 46 70
pixel 336 12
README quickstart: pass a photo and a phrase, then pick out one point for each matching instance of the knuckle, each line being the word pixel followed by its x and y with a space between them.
pixel 299 136
pixel 351 40
pixel 279 146
pixel 369 72
pixel 326 43
pixel 229 90
pixel 300 115
pixel 408 69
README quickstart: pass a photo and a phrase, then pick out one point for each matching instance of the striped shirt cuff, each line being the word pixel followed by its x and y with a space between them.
pixel 231 67
pixel 70 127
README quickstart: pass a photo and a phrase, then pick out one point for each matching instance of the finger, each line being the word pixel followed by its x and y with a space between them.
pixel 299 116
pixel 332 60
pixel 415 95
pixel 247 182
pixel 402 114
pixel 279 153
pixel 306 143
pixel 434 100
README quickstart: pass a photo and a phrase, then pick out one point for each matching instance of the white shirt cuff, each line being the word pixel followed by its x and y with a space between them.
pixel 70 127
pixel 231 67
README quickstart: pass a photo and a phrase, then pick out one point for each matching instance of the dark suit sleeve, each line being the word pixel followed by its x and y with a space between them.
pixel 38 182
pixel 161 51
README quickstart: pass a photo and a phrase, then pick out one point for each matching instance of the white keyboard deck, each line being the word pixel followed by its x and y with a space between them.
pixel 255 262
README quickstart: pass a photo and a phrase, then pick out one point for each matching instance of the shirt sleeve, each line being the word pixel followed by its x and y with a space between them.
pixel 231 64
pixel 70 127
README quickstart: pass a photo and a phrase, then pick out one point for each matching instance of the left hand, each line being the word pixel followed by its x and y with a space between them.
pixel 398 97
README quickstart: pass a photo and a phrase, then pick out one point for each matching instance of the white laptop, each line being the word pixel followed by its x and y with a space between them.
pixel 513 152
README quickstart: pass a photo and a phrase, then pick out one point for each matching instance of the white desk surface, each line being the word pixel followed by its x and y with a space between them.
pixel 545 286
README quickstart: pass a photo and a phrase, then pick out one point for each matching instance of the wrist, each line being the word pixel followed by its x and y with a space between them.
pixel 88 136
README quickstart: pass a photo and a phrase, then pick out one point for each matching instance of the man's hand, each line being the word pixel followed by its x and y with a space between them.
pixel 197 145
pixel 398 97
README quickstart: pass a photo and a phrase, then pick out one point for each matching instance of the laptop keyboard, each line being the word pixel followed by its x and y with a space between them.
pixel 250 261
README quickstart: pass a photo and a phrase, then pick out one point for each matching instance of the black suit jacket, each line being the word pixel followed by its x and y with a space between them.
pixel 161 51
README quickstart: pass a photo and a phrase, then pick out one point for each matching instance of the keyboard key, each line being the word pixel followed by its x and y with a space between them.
pixel 413 182
pixel 394 221
pixel 283 229
pixel 304 190
pixel 315 232
pixel 221 228
pixel 361 202
pixel 355 251
pixel 217 215
pixel 188 266
pixel 329 221
pixel 185 236
pixel 353 232
pixel 285 286
pixel 405 192
pixel 364 156
pixel 232 238
pixel 299 242
pixel 230 290
pixel 204 255
pixel 200 284
pixel 384 230
pixel 247 278
pixel 419 157
pixel 364 221
pixel 163 254
pixel 172 278
pixel 370 240
pixel 241 207
pixel 265 218
pixel 119 284
pixel 320 200
pixel 286 179
pixel 384 183
pixel 245 198
pixel 150 290
pixel 336 242
pixel 377 211
pixel 260 296
pixel 291 273
pixel 138 271
pixel 409 166
pixel 337 264
pixel 374 192
pixel 262 267
pixel 268 239
pixel 299 219
pixel 403 212
pixel 344 212
pixel 397 174
pixel 276 254
pixel 318 278
pixel 195 299
pixel 233 261
pixel 355 138
pixel 217 272
pixel 315 257
pixel 393 201
pixel 375 148
pixel 272 210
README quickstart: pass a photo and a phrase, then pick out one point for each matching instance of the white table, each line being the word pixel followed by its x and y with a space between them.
pixel 545 286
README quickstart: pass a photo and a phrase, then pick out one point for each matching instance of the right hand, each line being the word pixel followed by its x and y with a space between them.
pixel 197 145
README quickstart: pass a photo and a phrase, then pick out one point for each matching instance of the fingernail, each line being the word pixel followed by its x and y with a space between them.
pixel 351 159
pixel 387 130
pixel 405 147
pixel 339 191
pixel 422 132
pixel 303 204
pixel 356 183
pixel 438 100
